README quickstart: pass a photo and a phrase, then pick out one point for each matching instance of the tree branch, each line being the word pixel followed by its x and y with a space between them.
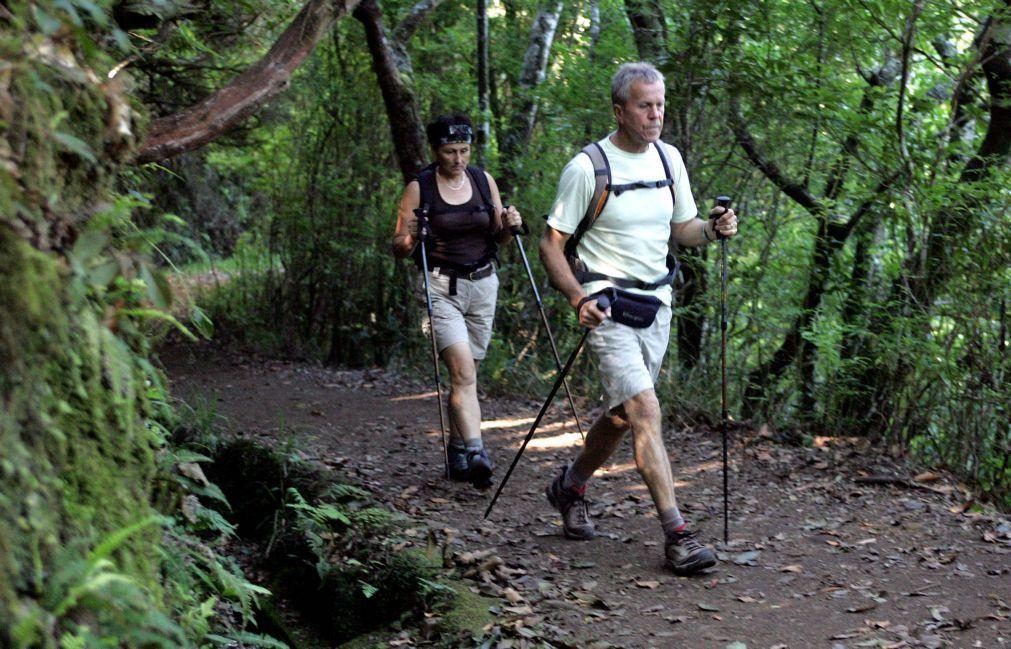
pixel 399 99
pixel 197 125
pixel 770 169
pixel 841 232
pixel 414 19
pixel 535 62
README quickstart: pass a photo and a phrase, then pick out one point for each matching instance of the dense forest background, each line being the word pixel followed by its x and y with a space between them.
pixel 865 143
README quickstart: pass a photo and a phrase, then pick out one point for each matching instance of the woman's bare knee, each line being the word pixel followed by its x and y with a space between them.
pixel 462 367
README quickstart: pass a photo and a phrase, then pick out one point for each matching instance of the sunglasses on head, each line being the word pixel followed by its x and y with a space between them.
pixel 457 133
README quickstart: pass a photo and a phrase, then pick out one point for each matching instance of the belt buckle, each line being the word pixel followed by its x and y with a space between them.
pixel 478 273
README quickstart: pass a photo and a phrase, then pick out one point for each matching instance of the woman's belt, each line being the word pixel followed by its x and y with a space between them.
pixel 454 274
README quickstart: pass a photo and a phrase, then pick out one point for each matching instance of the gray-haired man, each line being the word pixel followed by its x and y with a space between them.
pixel 627 246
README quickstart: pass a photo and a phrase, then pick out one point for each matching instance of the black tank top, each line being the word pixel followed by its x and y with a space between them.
pixel 463 235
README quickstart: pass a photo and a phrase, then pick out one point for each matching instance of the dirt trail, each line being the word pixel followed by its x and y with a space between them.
pixel 831 546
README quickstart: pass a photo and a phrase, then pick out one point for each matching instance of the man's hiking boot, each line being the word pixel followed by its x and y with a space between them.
pixel 576 523
pixel 479 468
pixel 686 556
pixel 458 467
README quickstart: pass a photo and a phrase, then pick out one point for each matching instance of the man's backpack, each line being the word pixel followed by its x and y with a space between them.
pixel 601 192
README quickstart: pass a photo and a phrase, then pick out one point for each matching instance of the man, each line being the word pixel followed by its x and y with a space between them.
pixel 627 245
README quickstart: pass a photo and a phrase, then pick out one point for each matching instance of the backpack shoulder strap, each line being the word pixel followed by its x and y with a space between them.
pixel 601 189
pixel 480 180
pixel 668 167
pixel 426 184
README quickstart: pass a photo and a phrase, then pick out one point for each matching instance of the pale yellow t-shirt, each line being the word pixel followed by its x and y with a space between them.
pixel 629 238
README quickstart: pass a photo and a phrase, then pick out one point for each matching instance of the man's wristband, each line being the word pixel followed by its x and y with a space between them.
pixel 584 300
pixel 705 230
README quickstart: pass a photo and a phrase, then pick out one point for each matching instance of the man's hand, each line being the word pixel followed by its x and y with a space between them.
pixel 589 314
pixel 723 221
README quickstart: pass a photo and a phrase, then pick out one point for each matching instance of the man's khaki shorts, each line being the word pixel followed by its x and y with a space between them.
pixel 629 359
pixel 464 317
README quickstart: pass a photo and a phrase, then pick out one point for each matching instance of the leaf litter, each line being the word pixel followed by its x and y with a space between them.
pixel 820 535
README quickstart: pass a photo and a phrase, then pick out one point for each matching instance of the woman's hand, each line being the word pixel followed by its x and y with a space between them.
pixel 511 218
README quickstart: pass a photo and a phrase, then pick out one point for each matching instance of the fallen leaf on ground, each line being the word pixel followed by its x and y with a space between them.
pixel 862 608
pixel 749 558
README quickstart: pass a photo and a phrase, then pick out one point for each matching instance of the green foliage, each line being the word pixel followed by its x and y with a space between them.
pixel 94 605
pixel 333 524
pixel 826 104
pixel 86 411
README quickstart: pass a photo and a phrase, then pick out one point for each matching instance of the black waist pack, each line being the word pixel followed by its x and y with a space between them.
pixel 631 309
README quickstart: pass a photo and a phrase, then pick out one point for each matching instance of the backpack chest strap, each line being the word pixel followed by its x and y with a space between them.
pixel 617 190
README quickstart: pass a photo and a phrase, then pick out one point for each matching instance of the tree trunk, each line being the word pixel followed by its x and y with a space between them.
pixel 483 82
pixel 535 63
pixel 930 266
pixel 648 29
pixel 829 239
pixel 401 105
pixel 226 108
pixel 691 319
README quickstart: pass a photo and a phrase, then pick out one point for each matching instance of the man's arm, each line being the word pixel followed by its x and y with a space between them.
pixel 552 251
pixel 696 232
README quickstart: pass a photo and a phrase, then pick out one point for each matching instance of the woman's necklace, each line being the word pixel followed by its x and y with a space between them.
pixel 463 179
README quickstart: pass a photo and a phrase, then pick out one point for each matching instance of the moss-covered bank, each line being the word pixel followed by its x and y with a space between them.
pixel 77 424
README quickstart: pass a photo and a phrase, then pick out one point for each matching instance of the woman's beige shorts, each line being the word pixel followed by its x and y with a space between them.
pixel 464 317
pixel 629 359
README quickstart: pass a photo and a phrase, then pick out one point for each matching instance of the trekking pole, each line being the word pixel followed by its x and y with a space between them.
pixel 547 328
pixel 602 303
pixel 423 233
pixel 724 202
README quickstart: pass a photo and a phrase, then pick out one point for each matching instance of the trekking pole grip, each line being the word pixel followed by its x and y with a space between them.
pixel 724 202
pixel 517 229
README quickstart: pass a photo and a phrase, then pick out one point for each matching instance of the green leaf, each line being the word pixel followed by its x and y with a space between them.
pixel 74 144
pixel 88 246
pixel 47 24
pixel 71 11
pixel 117 538
pixel 155 314
pixel 102 275
pixel 201 322
pixel 158 289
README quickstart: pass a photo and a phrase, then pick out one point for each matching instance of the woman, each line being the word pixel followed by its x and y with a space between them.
pixel 467 222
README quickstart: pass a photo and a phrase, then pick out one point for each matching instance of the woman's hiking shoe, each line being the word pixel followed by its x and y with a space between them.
pixel 686 556
pixel 458 468
pixel 576 523
pixel 479 468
